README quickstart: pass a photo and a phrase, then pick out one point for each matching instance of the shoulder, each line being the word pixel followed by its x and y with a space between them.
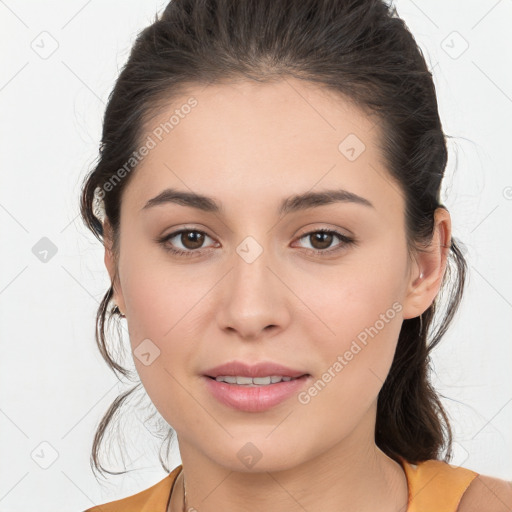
pixel 487 493
pixel 148 500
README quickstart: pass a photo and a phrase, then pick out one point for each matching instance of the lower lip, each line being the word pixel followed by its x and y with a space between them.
pixel 254 398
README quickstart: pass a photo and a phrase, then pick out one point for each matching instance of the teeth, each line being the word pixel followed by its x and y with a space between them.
pixel 228 379
pixel 248 381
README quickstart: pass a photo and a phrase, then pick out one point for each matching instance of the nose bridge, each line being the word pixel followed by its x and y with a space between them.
pixel 251 275
pixel 252 299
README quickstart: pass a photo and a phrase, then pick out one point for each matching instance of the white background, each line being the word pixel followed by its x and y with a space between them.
pixel 54 384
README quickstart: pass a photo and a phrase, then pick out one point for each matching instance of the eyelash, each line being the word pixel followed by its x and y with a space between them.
pixel 346 241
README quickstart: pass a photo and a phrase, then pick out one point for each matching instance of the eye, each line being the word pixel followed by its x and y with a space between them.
pixel 190 239
pixel 322 239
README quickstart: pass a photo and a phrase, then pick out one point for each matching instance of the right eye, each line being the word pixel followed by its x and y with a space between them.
pixel 190 239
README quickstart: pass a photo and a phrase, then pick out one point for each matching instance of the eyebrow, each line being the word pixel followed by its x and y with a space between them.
pixel 288 205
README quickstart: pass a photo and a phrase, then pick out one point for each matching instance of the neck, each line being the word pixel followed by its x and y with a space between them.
pixel 346 477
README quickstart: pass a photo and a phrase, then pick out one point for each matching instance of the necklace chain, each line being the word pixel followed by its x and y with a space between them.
pixel 185 508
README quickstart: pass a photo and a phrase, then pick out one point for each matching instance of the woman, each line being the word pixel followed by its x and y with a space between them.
pixel 268 194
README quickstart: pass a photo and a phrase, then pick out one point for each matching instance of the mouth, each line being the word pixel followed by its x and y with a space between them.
pixel 241 380
pixel 242 370
pixel 246 395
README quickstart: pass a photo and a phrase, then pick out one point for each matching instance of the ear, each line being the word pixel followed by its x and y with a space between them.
pixel 110 263
pixel 427 272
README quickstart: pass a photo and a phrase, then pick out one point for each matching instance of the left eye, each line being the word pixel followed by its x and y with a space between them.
pixel 323 238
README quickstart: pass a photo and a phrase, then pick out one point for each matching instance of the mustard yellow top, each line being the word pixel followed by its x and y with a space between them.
pixel 433 485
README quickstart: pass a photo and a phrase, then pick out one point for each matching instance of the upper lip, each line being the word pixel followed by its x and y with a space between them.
pixel 261 369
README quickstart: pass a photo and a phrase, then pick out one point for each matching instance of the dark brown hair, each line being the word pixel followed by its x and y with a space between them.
pixel 359 49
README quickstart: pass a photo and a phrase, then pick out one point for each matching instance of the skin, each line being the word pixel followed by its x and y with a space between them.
pixel 249 146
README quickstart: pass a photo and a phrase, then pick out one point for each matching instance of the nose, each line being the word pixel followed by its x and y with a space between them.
pixel 254 300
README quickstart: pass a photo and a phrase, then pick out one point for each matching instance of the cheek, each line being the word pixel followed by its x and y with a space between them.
pixel 170 316
pixel 355 362
pixel 168 310
pixel 157 292
pixel 359 308
pixel 344 300
pixel 162 349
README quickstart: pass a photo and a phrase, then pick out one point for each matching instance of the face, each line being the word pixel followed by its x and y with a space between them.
pixel 258 283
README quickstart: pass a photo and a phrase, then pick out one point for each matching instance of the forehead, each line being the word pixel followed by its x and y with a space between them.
pixel 247 140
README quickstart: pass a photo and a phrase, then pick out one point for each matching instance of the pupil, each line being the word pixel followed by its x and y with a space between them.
pixel 193 237
pixel 321 238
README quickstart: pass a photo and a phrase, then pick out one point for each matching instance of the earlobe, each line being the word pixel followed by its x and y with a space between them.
pixel 430 267
pixel 107 244
pixel 110 264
